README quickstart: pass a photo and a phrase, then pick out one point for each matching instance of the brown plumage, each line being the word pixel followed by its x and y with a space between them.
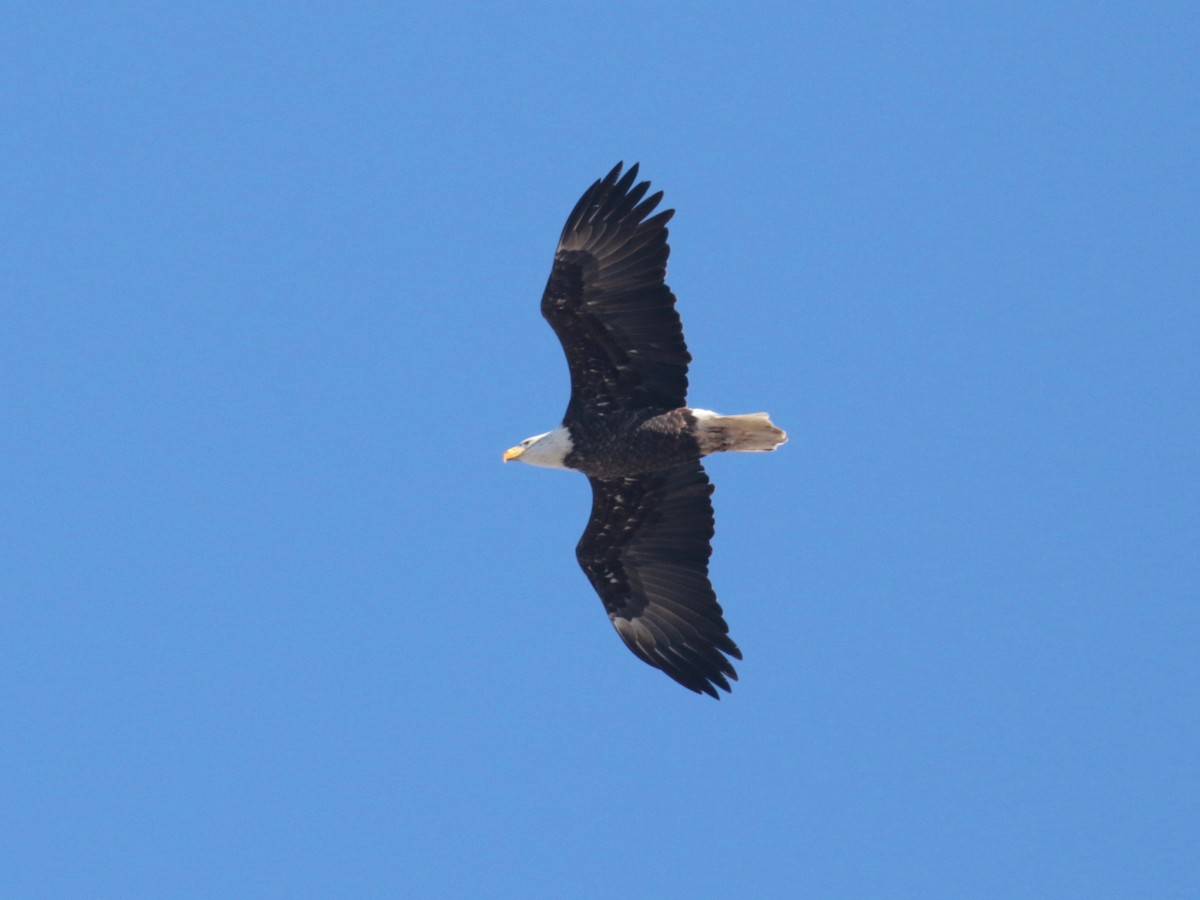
pixel 627 427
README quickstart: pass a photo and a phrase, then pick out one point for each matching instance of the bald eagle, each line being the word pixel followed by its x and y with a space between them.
pixel 627 427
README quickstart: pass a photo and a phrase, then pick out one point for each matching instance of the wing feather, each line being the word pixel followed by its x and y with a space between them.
pixel 645 551
pixel 608 302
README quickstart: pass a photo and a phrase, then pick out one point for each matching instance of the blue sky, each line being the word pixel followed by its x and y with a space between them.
pixel 277 622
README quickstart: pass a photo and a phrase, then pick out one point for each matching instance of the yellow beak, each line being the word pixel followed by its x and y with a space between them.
pixel 513 453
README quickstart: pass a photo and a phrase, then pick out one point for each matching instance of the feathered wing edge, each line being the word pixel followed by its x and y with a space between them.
pixel 645 551
pixel 608 302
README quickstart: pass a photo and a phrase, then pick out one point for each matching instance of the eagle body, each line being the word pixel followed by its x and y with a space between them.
pixel 628 427
pixel 633 443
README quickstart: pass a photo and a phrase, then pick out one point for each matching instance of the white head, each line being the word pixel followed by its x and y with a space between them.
pixel 548 450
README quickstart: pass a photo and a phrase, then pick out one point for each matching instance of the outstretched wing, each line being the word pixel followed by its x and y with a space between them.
pixel 646 551
pixel 607 302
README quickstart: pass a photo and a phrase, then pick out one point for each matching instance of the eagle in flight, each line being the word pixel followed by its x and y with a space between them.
pixel 629 429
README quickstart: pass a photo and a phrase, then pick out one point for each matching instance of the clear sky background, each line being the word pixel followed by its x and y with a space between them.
pixel 277 622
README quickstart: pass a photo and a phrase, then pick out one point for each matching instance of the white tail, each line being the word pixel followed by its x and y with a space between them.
pixel 748 433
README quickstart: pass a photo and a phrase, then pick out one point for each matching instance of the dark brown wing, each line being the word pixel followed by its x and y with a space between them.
pixel 646 551
pixel 608 304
